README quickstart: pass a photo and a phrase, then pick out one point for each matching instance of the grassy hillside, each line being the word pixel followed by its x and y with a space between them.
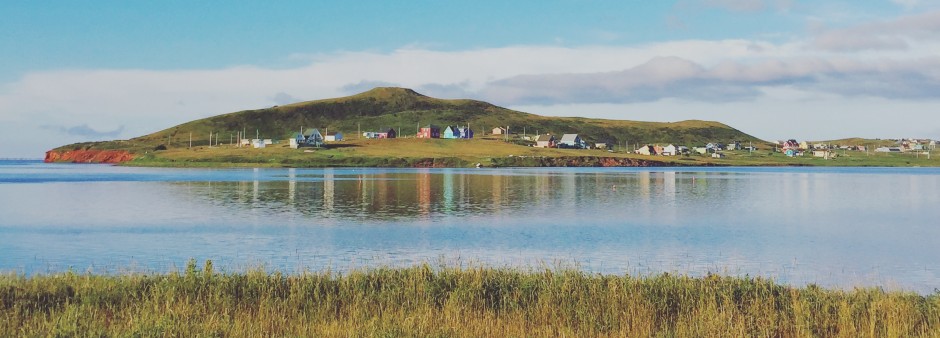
pixel 405 110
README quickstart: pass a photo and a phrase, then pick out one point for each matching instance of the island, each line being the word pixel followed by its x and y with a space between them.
pixel 398 127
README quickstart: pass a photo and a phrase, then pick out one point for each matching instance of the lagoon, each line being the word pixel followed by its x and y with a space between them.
pixel 836 227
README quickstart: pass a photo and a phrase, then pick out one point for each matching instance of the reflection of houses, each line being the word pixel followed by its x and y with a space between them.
pixel 545 141
pixel 429 131
pixel 572 141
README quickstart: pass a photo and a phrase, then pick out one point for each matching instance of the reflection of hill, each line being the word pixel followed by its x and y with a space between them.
pixel 422 195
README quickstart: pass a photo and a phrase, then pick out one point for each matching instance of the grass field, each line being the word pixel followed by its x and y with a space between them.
pixel 408 152
pixel 450 302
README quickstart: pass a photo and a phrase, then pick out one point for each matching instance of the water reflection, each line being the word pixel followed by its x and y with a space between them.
pixel 861 227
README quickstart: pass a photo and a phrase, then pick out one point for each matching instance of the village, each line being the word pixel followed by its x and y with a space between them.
pixel 314 138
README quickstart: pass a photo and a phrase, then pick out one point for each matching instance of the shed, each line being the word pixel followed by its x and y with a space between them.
pixel 545 141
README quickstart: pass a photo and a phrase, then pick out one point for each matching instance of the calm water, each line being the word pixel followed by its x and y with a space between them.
pixel 834 227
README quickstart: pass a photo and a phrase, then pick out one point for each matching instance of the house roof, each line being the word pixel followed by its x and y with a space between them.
pixel 545 138
pixel 452 128
pixel 569 137
pixel 311 131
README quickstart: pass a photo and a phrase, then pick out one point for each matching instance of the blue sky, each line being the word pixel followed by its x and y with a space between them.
pixel 78 71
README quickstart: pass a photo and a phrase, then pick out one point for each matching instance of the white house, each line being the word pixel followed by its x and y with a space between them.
pixel 670 150
pixel 646 150
pixel 571 141
pixel 257 143
pixel 333 137
pixel 499 131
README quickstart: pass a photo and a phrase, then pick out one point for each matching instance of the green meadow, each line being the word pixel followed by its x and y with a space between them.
pixel 446 301
pixel 490 151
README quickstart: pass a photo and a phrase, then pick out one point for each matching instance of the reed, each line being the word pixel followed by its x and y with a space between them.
pixel 450 302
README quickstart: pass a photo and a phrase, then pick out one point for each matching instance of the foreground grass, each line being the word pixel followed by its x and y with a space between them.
pixel 425 301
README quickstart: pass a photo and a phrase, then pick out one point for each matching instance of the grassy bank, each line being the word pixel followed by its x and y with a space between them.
pixel 411 152
pixel 425 301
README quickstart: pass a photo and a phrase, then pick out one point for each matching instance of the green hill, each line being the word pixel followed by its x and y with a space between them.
pixel 405 109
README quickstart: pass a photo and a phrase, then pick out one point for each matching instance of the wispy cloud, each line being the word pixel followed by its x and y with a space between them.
pixel 673 77
pixel 897 34
pixel 84 130
pixel 749 5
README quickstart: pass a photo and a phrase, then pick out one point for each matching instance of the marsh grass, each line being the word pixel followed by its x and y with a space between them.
pixel 449 301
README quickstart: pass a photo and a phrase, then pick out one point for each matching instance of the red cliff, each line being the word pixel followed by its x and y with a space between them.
pixel 89 156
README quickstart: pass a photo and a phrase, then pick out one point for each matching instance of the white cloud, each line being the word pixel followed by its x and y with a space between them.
pixel 690 79
pixel 898 34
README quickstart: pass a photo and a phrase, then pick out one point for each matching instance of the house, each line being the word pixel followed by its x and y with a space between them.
pixel 268 141
pixel 718 155
pixel 333 137
pixel 572 141
pixel 500 131
pixel 824 154
pixel 682 150
pixel 791 147
pixel 429 131
pixel 545 141
pixel 600 145
pixel 888 150
pixel 382 133
pixel 646 150
pixel 312 138
pixel 713 147
pixel 465 132
pixel 386 132
pixel 803 145
pixel 734 145
pixel 244 142
pixel 861 148
pixel 257 143
pixel 701 150
pixel 670 150
pixel 450 132
pixel 821 146
pixel 658 150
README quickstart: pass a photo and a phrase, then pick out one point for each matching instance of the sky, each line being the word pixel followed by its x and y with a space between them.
pixel 73 71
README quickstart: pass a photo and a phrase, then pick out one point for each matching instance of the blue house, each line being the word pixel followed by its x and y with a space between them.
pixel 451 132
pixel 465 132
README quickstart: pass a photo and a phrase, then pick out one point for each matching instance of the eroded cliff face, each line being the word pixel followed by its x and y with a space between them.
pixel 89 156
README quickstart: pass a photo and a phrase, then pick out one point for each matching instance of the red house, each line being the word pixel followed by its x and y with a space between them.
pixel 430 131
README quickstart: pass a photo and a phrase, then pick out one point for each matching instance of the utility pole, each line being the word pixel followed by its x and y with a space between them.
pixel 190 140
pixel 359 130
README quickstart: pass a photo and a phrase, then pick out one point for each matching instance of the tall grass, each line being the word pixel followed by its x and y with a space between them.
pixel 449 301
